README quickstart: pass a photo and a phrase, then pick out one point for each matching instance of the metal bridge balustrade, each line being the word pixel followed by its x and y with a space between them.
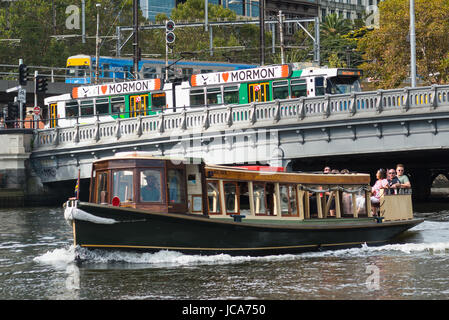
pixel 280 112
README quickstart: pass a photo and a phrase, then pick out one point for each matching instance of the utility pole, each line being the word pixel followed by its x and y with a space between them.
pixel 97 46
pixel 262 31
pixel 412 44
pixel 83 15
pixel 281 35
pixel 136 38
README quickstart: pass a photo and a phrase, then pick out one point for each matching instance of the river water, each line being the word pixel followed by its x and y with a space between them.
pixel 37 262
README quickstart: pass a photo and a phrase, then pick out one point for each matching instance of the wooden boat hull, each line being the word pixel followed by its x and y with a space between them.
pixel 139 230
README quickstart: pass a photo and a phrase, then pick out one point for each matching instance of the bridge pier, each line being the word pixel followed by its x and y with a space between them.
pixel 19 185
pixel 421 180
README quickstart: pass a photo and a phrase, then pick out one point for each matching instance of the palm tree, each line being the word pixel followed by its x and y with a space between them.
pixel 334 25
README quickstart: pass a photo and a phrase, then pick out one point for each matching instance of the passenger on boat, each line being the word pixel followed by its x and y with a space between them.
pixel 403 179
pixel 151 192
pixel 381 183
pixel 344 171
pixel 393 182
pixel 327 170
pixel 335 171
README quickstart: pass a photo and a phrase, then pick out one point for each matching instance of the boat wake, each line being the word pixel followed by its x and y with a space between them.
pixel 62 258
pixel 434 241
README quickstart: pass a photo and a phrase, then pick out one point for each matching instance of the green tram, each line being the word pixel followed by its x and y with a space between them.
pixel 144 97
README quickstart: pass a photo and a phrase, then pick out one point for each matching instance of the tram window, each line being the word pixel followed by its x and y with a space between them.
pixel 214 96
pixel 298 88
pixel 319 86
pixel 149 72
pixel 206 71
pixel 151 185
pixel 158 101
pixel 186 73
pixel 122 181
pixel 176 187
pixel 213 196
pixel 118 105
pixel 197 97
pixel 231 95
pixel 102 106
pixel 106 68
pixel 280 89
pixel 87 108
pixel 231 197
pixel 71 109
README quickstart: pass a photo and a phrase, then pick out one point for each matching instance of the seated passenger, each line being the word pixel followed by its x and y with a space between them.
pixel 403 179
pixel 381 183
pixel 151 192
pixel 393 182
pixel 327 169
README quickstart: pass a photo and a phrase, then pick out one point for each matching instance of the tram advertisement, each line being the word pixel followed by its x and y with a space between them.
pixel 254 74
pixel 117 88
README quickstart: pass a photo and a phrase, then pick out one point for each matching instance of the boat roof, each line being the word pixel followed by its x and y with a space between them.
pixel 242 173
pixel 147 156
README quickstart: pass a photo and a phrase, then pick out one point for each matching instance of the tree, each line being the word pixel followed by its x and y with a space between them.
pixel 387 49
pixel 244 38
pixel 37 23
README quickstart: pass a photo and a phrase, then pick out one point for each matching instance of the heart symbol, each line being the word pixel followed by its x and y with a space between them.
pixel 103 89
pixel 225 76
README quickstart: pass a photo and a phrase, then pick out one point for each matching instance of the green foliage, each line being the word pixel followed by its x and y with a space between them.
pixel 387 49
pixel 37 23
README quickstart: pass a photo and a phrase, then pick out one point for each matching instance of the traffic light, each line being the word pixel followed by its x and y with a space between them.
pixel 169 34
pixel 13 111
pixel 23 74
pixel 41 84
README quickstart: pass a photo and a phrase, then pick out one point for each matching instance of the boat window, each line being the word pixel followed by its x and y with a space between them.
pixel 150 185
pixel 158 101
pixel 197 97
pixel 259 198
pixel 288 200
pixel 71 109
pixel 231 197
pixel 122 182
pixel 280 89
pixel 118 105
pixel 176 187
pixel 102 187
pixel 102 106
pixel 214 96
pixel 299 88
pixel 231 95
pixel 244 198
pixel 87 108
pixel 269 198
pixel 213 196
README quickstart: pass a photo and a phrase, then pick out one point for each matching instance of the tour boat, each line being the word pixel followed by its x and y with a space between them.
pixel 145 203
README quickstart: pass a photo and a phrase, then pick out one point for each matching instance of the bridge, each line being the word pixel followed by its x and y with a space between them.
pixel 359 131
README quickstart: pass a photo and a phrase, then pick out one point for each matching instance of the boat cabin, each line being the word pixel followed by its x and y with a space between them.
pixel 187 186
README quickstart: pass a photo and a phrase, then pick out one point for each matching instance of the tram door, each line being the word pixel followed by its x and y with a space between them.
pixel 258 92
pixel 138 105
pixel 53 115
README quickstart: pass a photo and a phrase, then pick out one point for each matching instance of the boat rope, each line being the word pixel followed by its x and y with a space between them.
pixel 336 188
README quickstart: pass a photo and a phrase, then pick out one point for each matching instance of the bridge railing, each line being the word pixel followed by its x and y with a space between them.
pixel 279 112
